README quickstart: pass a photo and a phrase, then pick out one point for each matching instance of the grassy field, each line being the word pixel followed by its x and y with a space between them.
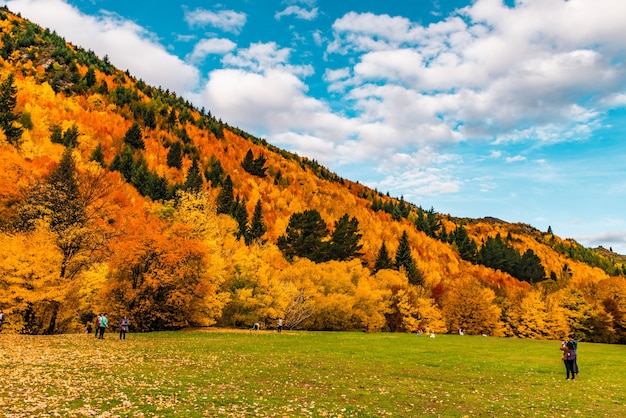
pixel 304 374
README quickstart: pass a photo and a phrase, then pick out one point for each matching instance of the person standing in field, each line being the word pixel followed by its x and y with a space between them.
pixel 124 327
pixel 569 359
pixel 572 344
pixel 2 319
pixel 280 324
pixel 97 328
pixel 104 323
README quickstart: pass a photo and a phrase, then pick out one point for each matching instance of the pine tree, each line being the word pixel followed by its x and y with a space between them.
pixel 383 260
pixel 124 163
pixel 98 155
pixel 141 177
pixel 253 165
pixel 530 268
pixel 405 260
pixel 248 161
pixel 133 137
pixel 257 227
pixel 70 136
pixel 403 254
pixel 465 245
pixel 304 237
pixel 56 136
pixel 258 168
pixel 214 172
pixel 157 187
pixel 225 198
pixel 8 100
pixel 344 241
pixel 193 182
pixel 171 119
pixel 90 77
pixel 239 212
pixel 175 156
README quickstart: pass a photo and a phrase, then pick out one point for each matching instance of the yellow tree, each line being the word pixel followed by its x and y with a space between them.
pixel 31 283
pixel 528 319
pixel 470 306
pixel 372 302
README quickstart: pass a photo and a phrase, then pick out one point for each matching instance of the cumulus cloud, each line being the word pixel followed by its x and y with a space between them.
pixel 298 12
pixel 490 72
pixel 226 20
pixel 127 45
pixel 218 46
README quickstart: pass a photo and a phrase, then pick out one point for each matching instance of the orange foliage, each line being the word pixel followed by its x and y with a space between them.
pixel 204 274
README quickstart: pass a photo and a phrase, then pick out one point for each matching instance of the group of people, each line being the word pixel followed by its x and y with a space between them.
pixel 569 347
pixel 102 323
pixel 257 326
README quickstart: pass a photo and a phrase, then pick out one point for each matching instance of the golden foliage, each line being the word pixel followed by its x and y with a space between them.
pixel 177 263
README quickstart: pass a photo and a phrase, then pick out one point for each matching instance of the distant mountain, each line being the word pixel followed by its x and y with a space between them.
pixel 119 197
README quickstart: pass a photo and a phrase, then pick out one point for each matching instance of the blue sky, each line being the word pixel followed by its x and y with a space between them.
pixel 511 109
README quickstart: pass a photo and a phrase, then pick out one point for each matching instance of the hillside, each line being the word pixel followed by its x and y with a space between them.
pixel 123 198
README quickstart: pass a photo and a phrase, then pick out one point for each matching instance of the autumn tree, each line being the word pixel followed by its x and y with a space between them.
pixel 469 305
pixel 72 211
pixel 8 100
pixel 160 276
pixel 529 317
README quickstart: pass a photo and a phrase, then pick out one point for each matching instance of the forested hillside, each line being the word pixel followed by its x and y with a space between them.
pixel 123 198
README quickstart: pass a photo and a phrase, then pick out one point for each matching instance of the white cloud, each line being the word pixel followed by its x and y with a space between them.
pixel 127 45
pixel 261 57
pixel 226 20
pixel 534 72
pixel 298 12
pixel 205 47
pixel 516 158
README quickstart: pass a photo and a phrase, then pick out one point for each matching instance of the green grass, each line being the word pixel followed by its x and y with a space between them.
pixel 304 374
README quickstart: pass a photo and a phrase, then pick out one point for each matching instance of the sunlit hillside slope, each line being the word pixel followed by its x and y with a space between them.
pixel 123 198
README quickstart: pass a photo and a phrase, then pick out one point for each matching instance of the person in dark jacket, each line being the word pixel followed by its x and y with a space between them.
pixel 569 359
pixel 124 324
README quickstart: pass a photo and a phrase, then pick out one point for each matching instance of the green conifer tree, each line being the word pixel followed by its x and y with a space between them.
pixel 8 100
pixel 175 156
pixel 344 241
pixel 133 136
pixel 383 260
pixel 257 227
pixel 225 198
pixel 194 181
